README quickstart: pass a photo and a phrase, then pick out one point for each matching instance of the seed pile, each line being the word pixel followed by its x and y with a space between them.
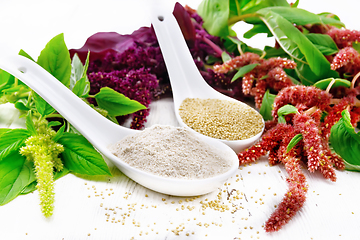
pixel 172 152
pixel 222 119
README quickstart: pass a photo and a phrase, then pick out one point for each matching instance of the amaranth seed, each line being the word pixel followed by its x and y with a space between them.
pixel 222 119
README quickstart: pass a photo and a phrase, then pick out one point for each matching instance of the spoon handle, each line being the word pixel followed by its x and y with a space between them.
pixel 182 70
pixel 96 128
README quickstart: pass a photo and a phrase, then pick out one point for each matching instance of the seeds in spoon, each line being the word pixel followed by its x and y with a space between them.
pixel 222 119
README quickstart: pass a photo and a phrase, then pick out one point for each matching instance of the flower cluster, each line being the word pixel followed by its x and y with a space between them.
pixel 222 83
pixel 313 149
pixel 130 64
pixel 348 59
pixel 268 74
pixel 307 95
pixel 44 152
pixel 135 84
pixel 313 145
pixel 293 199
pixel 237 62
pixel 343 37
pixel 275 142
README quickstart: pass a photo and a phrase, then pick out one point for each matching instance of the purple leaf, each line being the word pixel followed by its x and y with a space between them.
pixel 102 43
pixel 185 23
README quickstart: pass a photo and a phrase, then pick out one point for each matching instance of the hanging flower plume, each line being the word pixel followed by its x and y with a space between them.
pixel 44 152
pixel 269 73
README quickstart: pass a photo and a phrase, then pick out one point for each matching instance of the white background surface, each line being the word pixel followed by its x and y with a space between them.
pixel 331 211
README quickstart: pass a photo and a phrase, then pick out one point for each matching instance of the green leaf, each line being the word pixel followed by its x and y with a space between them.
pixel 4 130
pixel 338 82
pixel 295 4
pixel 30 126
pixel 308 77
pixel 6 80
pixel 32 186
pixel 116 103
pixel 295 44
pixel 79 156
pixel 232 44
pixel 212 60
pixel 345 141
pixel 275 52
pixel 58 175
pixel 77 70
pixel 295 15
pixel 22 105
pixel 297 138
pixel 285 110
pixel 256 29
pixel 25 54
pixel 43 107
pixel 324 43
pixel 79 82
pixel 54 123
pixel 15 174
pixel 351 167
pixel 225 56
pixel 29 188
pixel 267 105
pixel 11 141
pixel 55 58
pixel 82 87
pixel 236 6
pixel 215 14
pixel 356 46
pixel 4 77
pixel 244 70
pixel 331 19
pixel 12 89
pixel 59 133
pixel 253 6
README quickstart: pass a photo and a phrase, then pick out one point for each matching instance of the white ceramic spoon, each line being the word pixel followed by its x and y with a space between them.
pixel 101 132
pixel 186 80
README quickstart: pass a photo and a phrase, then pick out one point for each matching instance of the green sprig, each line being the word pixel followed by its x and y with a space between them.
pixel 33 158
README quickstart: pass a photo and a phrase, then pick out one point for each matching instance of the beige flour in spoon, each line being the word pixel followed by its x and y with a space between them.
pixel 172 152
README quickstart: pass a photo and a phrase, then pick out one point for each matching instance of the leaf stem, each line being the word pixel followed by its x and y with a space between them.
pixel 337 100
pixel 216 48
pixel 311 110
pixel 330 85
pixel 238 9
pixel 354 80
pixel 23 95
pixel 239 18
pixel 240 50
pixel 54 115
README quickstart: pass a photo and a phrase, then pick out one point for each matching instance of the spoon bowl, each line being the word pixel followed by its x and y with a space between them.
pixel 102 133
pixel 186 80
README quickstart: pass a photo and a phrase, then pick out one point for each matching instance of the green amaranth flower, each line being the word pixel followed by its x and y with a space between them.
pixel 41 149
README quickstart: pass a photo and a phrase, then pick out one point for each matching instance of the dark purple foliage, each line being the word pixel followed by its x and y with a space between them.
pixel 201 43
pixel 133 64
pixel 184 20
pixel 103 43
pixel 136 84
